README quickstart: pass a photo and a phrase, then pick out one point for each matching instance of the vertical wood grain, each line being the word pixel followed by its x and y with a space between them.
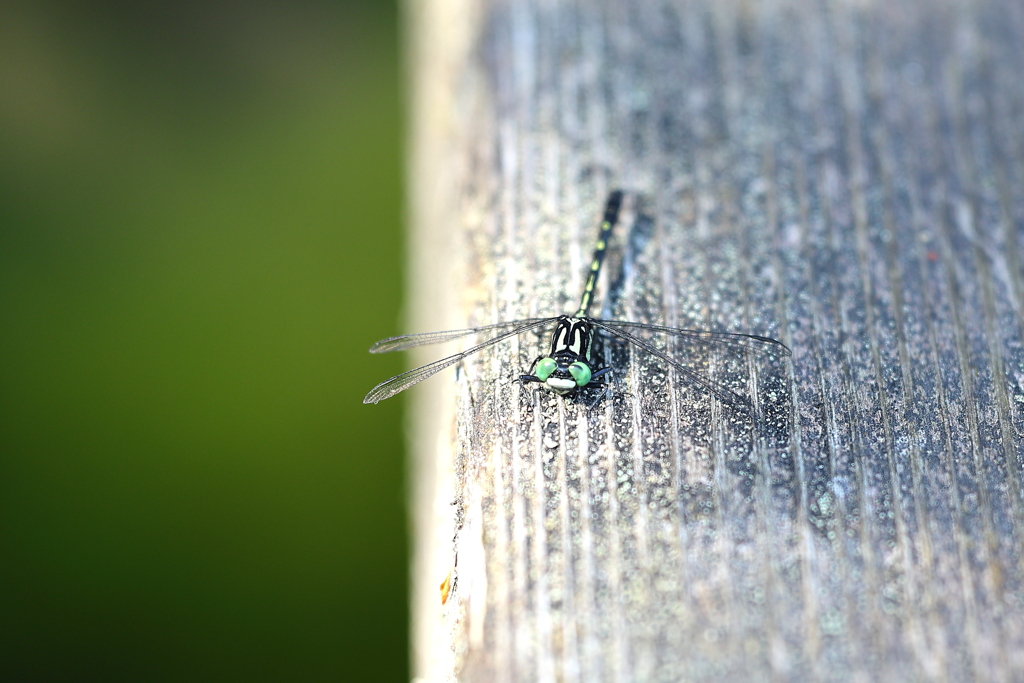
pixel 844 176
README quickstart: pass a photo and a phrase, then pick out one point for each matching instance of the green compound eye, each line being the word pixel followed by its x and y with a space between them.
pixel 545 367
pixel 581 373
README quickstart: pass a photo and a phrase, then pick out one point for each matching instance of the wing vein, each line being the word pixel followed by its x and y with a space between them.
pixel 390 387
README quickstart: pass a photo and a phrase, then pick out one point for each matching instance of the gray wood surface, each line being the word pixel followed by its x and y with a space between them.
pixel 845 176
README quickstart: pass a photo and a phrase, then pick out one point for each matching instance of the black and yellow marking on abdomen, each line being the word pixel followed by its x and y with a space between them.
pixel 611 217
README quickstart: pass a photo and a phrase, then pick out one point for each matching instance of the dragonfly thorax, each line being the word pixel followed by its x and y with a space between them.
pixel 572 336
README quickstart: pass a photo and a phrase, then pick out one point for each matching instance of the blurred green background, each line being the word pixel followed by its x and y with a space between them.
pixel 200 215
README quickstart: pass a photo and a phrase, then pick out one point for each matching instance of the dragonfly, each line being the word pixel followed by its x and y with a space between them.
pixel 570 366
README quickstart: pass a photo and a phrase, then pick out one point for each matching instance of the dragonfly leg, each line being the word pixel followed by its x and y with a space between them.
pixel 523 379
pixel 605 388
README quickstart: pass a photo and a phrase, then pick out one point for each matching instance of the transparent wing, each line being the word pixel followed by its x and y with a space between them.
pixel 407 341
pixel 722 393
pixel 398 383
pixel 742 342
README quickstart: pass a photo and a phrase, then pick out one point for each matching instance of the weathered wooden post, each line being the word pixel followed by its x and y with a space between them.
pixel 845 176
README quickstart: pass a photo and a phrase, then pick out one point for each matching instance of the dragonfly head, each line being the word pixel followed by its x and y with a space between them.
pixel 561 376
